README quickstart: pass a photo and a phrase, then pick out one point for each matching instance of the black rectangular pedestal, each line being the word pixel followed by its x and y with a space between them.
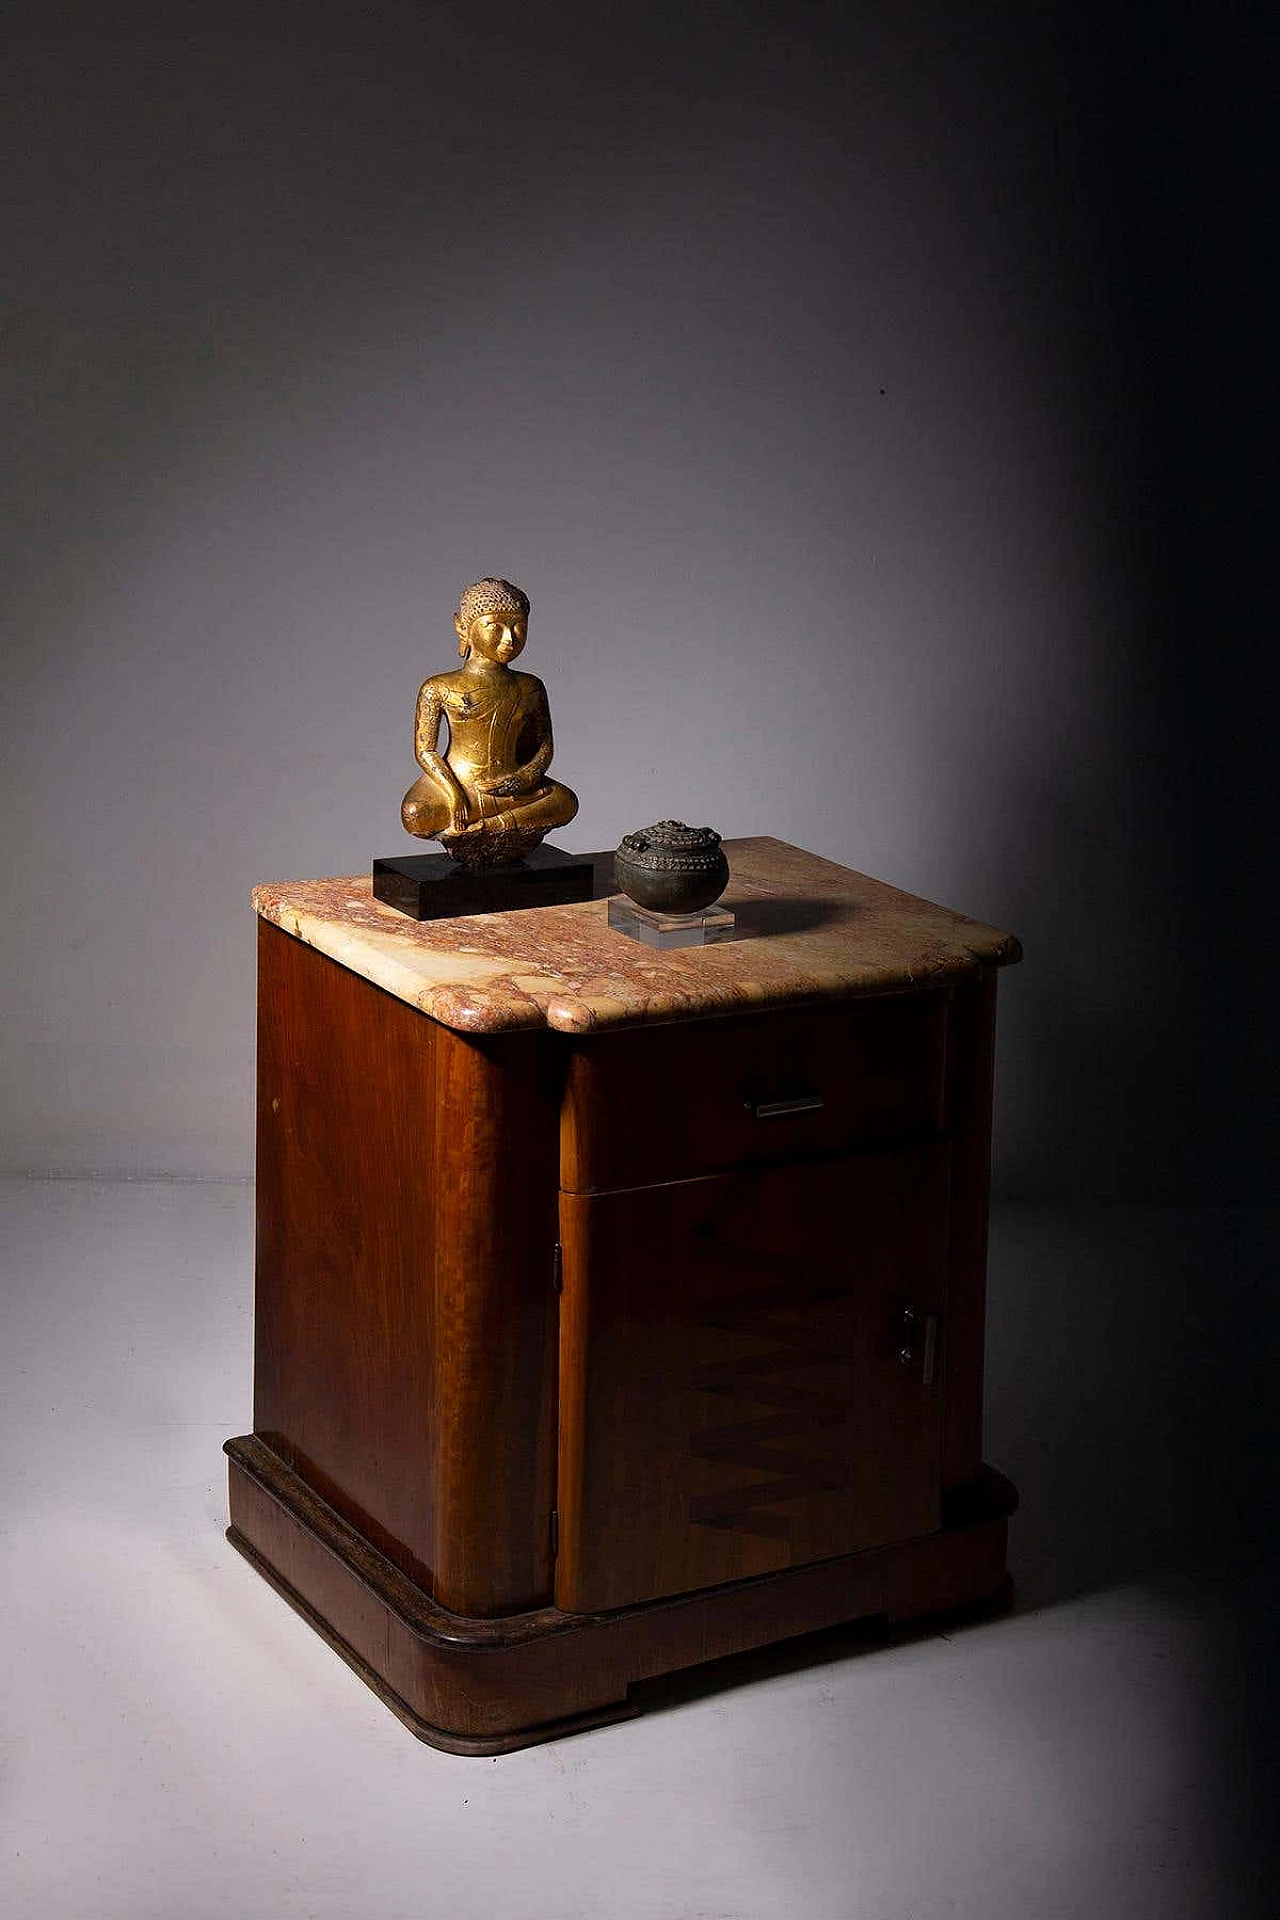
pixel 432 886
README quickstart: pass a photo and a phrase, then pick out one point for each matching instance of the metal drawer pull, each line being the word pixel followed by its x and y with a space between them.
pixel 929 1365
pixel 781 1109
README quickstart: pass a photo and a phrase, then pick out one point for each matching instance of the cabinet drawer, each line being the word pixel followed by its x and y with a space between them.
pixel 674 1102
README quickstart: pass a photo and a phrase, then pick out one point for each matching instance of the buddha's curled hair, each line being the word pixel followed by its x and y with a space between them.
pixel 491 595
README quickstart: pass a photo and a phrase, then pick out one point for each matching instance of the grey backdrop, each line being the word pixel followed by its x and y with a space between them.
pixel 865 398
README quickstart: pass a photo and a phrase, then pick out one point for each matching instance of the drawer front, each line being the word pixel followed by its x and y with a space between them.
pixel 676 1102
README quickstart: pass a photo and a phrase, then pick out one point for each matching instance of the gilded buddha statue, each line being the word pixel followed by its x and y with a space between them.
pixel 486 798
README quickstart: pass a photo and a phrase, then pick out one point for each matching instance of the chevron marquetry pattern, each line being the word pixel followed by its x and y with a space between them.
pixel 777 1442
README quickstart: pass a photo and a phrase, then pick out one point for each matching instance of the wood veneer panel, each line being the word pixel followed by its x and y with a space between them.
pixel 405 1356
pixel 731 1398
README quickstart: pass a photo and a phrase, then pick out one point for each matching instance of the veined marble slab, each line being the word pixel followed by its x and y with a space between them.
pixel 810 930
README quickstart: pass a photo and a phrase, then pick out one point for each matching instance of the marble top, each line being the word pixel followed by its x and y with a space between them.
pixel 810 931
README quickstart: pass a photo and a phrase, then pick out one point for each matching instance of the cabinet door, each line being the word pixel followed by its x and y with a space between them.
pixel 733 1393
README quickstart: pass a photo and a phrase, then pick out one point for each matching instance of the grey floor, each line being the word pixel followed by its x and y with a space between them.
pixel 178 1745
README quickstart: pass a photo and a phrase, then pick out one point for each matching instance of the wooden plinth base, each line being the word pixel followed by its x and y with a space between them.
pixel 474 1686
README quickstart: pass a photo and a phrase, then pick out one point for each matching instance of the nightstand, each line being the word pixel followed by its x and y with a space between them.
pixel 617 1310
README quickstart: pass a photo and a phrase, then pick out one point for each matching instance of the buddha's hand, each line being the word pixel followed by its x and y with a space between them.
pixel 503 789
pixel 459 813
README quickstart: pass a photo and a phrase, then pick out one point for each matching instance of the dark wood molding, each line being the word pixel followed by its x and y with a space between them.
pixel 485 1686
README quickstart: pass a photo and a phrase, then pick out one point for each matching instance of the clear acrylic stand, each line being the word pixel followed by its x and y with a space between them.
pixel 670 929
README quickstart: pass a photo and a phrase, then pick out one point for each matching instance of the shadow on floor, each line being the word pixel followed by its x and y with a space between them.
pixel 1129 1356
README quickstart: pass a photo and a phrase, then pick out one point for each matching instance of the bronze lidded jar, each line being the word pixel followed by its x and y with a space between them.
pixel 671 868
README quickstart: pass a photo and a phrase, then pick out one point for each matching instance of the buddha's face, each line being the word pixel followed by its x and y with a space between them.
pixel 498 637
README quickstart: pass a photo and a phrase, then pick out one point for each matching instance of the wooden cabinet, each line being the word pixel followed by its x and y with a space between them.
pixel 632 1315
